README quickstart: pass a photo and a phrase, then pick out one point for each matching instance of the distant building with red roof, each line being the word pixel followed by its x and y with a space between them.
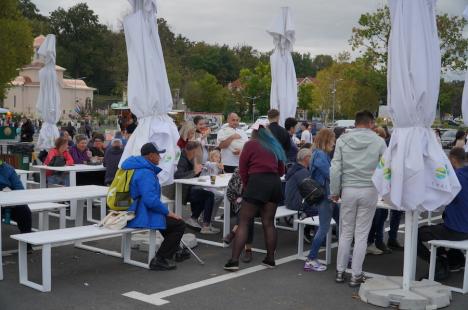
pixel 21 97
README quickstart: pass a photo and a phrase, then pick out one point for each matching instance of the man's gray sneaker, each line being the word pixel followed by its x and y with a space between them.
pixel 357 280
pixel 340 277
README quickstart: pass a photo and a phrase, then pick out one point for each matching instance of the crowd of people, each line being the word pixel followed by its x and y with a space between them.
pixel 341 162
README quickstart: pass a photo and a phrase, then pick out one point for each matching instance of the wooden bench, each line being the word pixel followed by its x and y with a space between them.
pixel 459 245
pixel 313 221
pixel 59 237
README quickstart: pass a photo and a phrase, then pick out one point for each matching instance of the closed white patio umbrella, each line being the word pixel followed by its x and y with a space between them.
pixel 465 88
pixel 283 94
pixel 149 95
pixel 414 174
pixel 48 101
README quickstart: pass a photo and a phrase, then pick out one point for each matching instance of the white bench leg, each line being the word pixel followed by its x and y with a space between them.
pixel 46 267
pixel 23 262
pixel 63 218
pixel 103 207
pixel 151 245
pixel 300 241
pixel 43 220
pixel 465 276
pixel 126 248
pixel 328 246
pixel 432 262
pixel 89 210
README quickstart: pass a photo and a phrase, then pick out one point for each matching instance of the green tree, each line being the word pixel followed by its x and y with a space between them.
pixel 321 62
pixel 372 34
pixel 450 97
pixel 345 88
pixel 257 84
pixel 302 64
pixel 84 46
pixel 16 43
pixel 38 22
pixel 305 95
pixel 205 94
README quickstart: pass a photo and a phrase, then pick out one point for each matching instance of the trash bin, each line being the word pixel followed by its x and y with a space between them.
pixel 22 152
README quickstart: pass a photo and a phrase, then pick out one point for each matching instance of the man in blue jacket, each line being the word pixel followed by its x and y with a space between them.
pixel 20 214
pixel 455 225
pixel 150 212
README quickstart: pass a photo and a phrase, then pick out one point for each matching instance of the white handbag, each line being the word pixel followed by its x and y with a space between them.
pixel 116 220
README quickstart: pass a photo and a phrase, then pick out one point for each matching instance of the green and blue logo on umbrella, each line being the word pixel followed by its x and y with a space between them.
pixel 387 173
pixel 381 163
pixel 441 173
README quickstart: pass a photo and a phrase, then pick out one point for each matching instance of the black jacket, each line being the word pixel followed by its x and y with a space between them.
pixel 281 135
pixel 184 171
pixel 111 162
pixel 27 132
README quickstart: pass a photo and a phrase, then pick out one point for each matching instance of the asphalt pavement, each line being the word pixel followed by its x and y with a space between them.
pixel 87 280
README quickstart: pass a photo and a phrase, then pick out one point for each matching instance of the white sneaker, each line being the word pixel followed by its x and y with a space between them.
pixel 192 223
pixel 209 230
pixel 372 249
pixel 314 265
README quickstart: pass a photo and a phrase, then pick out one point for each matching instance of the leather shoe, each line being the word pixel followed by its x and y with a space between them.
pixel 160 263
pixel 182 255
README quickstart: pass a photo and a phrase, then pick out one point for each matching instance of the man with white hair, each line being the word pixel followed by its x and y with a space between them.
pixel 231 140
pixel 112 159
pixel 295 175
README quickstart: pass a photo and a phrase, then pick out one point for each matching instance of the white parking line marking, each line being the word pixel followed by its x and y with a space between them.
pixel 157 298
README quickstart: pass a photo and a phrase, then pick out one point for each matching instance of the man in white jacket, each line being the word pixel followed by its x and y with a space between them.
pixel 356 157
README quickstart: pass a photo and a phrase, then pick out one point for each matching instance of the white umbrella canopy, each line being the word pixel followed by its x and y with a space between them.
pixel 48 101
pixel 283 95
pixel 465 88
pixel 149 95
pixel 414 173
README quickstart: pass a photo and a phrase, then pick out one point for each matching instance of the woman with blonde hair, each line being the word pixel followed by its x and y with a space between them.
pixel 187 133
pixel 320 171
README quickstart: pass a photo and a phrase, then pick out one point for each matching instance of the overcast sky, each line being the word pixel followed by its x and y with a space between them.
pixel 322 26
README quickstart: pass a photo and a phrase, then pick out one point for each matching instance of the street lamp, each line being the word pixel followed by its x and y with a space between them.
pixel 76 79
pixel 253 105
pixel 334 98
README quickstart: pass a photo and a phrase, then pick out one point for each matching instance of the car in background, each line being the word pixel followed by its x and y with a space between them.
pixel 345 123
pixel 448 138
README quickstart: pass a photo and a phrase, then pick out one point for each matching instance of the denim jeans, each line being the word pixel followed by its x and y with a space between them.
pixel 62 179
pixel 326 210
pixel 376 234
pixel 395 217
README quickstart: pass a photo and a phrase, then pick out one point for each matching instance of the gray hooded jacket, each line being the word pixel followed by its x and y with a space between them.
pixel 357 154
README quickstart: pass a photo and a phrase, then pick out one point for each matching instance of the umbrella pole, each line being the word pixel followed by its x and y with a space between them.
pixel 411 242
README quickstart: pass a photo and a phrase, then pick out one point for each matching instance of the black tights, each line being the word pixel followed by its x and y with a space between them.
pixel 246 214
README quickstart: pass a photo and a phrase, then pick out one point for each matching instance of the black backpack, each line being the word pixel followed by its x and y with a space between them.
pixel 311 191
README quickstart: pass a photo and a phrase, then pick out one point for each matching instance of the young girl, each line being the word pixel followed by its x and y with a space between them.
pixel 214 167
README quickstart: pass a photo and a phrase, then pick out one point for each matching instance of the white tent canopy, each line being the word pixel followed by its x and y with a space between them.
pixel 465 88
pixel 149 95
pixel 283 96
pixel 414 173
pixel 48 101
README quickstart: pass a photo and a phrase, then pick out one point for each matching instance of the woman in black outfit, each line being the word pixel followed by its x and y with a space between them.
pixel 261 166
pixel 27 131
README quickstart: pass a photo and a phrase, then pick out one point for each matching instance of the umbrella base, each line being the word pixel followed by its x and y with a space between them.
pixel 388 292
